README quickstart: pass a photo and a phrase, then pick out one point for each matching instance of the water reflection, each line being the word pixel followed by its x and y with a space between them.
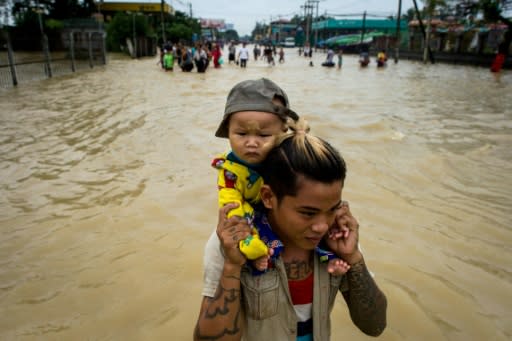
pixel 107 196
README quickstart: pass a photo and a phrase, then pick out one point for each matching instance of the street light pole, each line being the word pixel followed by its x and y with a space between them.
pixel 397 45
pixel 44 38
pixel 134 37
pixel 164 39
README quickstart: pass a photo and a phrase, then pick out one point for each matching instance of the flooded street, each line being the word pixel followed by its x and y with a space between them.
pixel 107 196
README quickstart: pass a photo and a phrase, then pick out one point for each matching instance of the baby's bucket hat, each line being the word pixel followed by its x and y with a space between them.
pixel 255 95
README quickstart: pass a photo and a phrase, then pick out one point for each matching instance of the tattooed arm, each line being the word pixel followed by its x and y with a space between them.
pixel 366 303
pixel 221 317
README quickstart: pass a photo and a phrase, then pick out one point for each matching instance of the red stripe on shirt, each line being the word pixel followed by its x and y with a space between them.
pixel 302 291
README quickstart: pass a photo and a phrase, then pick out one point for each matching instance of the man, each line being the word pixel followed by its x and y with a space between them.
pixel 293 299
pixel 232 52
pixel 243 55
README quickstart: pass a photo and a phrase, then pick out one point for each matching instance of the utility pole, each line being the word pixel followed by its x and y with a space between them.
pixel 306 39
pixel 431 55
pixel 430 12
pixel 363 29
pixel 316 19
pixel 398 18
pixel 270 30
pixel 134 37
pixel 44 38
pixel 162 21
pixel 308 12
pixel 99 15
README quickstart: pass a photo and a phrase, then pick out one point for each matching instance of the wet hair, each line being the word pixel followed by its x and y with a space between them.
pixel 298 155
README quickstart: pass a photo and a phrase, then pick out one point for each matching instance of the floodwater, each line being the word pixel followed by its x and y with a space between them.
pixel 107 195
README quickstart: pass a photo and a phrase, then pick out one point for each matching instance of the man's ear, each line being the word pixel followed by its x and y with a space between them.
pixel 267 196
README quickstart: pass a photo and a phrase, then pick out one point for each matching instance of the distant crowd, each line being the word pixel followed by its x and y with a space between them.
pixel 202 54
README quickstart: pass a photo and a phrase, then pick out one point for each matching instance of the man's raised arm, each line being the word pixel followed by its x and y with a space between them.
pixel 366 302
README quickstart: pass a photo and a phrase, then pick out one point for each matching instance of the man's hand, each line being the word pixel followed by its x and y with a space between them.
pixel 343 235
pixel 230 232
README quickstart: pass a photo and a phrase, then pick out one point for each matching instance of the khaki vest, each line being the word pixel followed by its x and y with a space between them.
pixel 268 306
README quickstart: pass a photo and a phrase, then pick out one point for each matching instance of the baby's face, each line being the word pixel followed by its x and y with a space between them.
pixel 252 134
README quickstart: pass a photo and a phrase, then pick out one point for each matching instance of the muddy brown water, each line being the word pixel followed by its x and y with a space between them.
pixel 107 196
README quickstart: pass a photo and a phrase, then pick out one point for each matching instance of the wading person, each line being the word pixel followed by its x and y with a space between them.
pixel 255 117
pixel 293 299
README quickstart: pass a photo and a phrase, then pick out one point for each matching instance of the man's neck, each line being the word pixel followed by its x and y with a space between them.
pixel 298 263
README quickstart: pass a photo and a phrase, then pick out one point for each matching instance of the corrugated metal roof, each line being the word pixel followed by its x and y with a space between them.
pixel 358 24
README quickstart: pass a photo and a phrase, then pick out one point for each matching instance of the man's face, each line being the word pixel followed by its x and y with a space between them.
pixel 301 221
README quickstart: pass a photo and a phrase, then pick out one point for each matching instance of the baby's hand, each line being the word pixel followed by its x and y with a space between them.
pixel 337 267
pixel 335 233
pixel 262 263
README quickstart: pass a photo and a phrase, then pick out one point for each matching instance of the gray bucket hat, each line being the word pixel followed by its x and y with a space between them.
pixel 255 95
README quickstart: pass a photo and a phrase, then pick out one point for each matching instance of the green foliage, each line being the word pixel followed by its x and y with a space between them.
pixel 63 9
pixel 181 27
pixel 179 31
pixel 491 9
pixel 26 13
pixel 27 20
pixel 259 29
pixel 53 24
pixel 430 6
pixel 124 26
pixel 409 14
pixel 55 9
pixel 231 35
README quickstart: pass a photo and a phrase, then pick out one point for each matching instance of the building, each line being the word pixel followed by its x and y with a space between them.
pixel 108 9
pixel 282 29
pixel 325 29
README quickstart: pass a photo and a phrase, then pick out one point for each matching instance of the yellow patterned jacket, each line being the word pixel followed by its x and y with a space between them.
pixel 237 183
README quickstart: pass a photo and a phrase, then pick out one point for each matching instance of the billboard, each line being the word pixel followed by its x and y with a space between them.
pixel 212 23
pixel 145 7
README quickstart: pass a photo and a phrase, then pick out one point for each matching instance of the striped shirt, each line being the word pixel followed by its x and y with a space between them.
pixel 302 298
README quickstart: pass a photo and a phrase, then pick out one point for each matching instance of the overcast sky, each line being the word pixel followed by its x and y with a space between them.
pixel 245 13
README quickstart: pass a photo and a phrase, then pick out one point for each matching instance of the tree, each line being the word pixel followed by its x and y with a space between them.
pixel 122 26
pixel 25 15
pixel 5 11
pixel 182 27
pixel 260 31
pixel 231 35
pixel 64 9
pixel 409 15
pixel 179 31
pixel 492 12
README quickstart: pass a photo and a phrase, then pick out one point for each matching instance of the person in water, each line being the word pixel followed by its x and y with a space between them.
pixel 257 113
pixel 381 58
pixel 302 207
pixel 168 60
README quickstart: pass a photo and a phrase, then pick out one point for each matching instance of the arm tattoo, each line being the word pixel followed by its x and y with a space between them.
pixel 367 304
pixel 218 307
pixel 227 295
